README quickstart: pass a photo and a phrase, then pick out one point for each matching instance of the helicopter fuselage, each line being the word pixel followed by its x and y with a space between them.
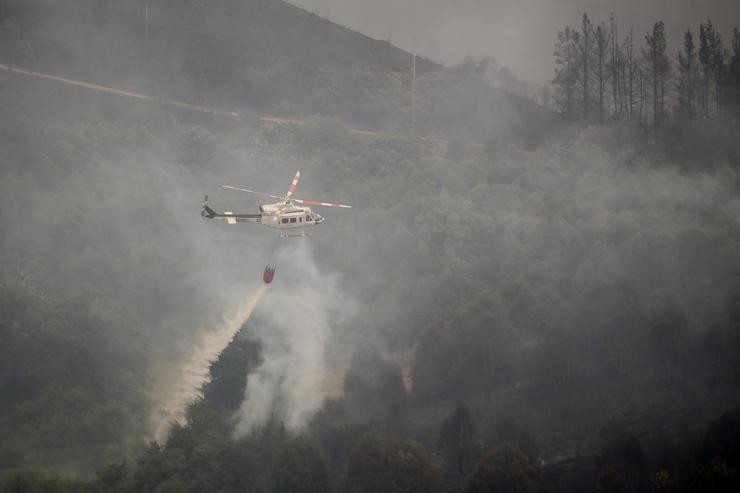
pixel 282 216
pixel 289 216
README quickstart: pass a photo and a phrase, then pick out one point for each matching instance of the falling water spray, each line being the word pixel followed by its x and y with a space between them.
pixel 194 374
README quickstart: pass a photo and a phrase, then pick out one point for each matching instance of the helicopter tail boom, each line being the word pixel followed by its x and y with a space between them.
pixel 230 217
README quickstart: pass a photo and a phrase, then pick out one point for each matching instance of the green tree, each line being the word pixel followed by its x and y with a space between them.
pixel 718 69
pixel 379 465
pixel 621 461
pixel 566 71
pixel 733 76
pixel 31 481
pixel 601 45
pixel 504 469
pixel 712 64
pixel 507 430
pixel 436 368
pixel 459 440
pixel 659 68
pixel 687 76
pixel 300 469
pixel 668 336
pixel 722 439
pixel 374 387
pixel 114 478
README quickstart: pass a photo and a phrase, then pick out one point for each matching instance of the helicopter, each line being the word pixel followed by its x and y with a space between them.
pixel 290 215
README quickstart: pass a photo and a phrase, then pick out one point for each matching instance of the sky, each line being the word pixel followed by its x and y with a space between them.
pixel 517 33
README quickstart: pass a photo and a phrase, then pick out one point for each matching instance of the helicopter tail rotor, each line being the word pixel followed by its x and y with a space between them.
pixel 207 211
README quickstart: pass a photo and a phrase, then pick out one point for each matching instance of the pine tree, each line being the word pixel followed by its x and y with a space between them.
pixel 585 54
pixel 733 77
pixel 641 86
pixel 630 69
pixel 616 68
pixel 459 441
pixel 658 67
pixel 687 76
pixel 718 68
pixel 566 71
pixel 601 44
pixel 706 33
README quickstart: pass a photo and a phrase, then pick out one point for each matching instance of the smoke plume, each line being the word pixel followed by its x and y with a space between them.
pixel 293 328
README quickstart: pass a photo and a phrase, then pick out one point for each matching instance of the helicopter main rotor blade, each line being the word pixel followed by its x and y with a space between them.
pixel 228 187
pixel 325 204
pixel 293 185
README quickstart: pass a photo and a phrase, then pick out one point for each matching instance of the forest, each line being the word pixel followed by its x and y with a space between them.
pixel 602 78
pixel 524 297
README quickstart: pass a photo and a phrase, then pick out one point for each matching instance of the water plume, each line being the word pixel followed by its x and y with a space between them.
pixel 194 374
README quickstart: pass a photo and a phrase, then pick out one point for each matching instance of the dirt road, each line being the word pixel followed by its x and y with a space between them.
pixel 435 142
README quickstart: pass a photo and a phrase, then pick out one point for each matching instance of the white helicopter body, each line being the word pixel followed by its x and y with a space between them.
pixel 291 216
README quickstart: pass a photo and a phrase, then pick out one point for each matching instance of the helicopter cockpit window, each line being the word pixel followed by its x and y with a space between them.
pixel 285 220
pixel 292 219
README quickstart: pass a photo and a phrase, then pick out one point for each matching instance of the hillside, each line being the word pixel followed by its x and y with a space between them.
pixel 564 315
pixel 540 289
pixel 263 53
pixel 267 55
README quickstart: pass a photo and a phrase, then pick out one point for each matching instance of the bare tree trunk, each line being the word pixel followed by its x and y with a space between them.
pixel 631 81
pixel 655 96
pixel 601 89
pixel 616 96
pixel 586 31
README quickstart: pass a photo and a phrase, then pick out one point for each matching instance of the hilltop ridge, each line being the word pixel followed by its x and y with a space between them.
pixel 263 54
pixel 255 52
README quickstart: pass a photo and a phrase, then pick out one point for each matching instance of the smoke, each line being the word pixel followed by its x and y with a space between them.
pixel 293 325
pixel 194 374
pixel 110 216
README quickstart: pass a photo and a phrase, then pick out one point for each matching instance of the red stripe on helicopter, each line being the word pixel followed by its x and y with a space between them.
pixel 293 185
